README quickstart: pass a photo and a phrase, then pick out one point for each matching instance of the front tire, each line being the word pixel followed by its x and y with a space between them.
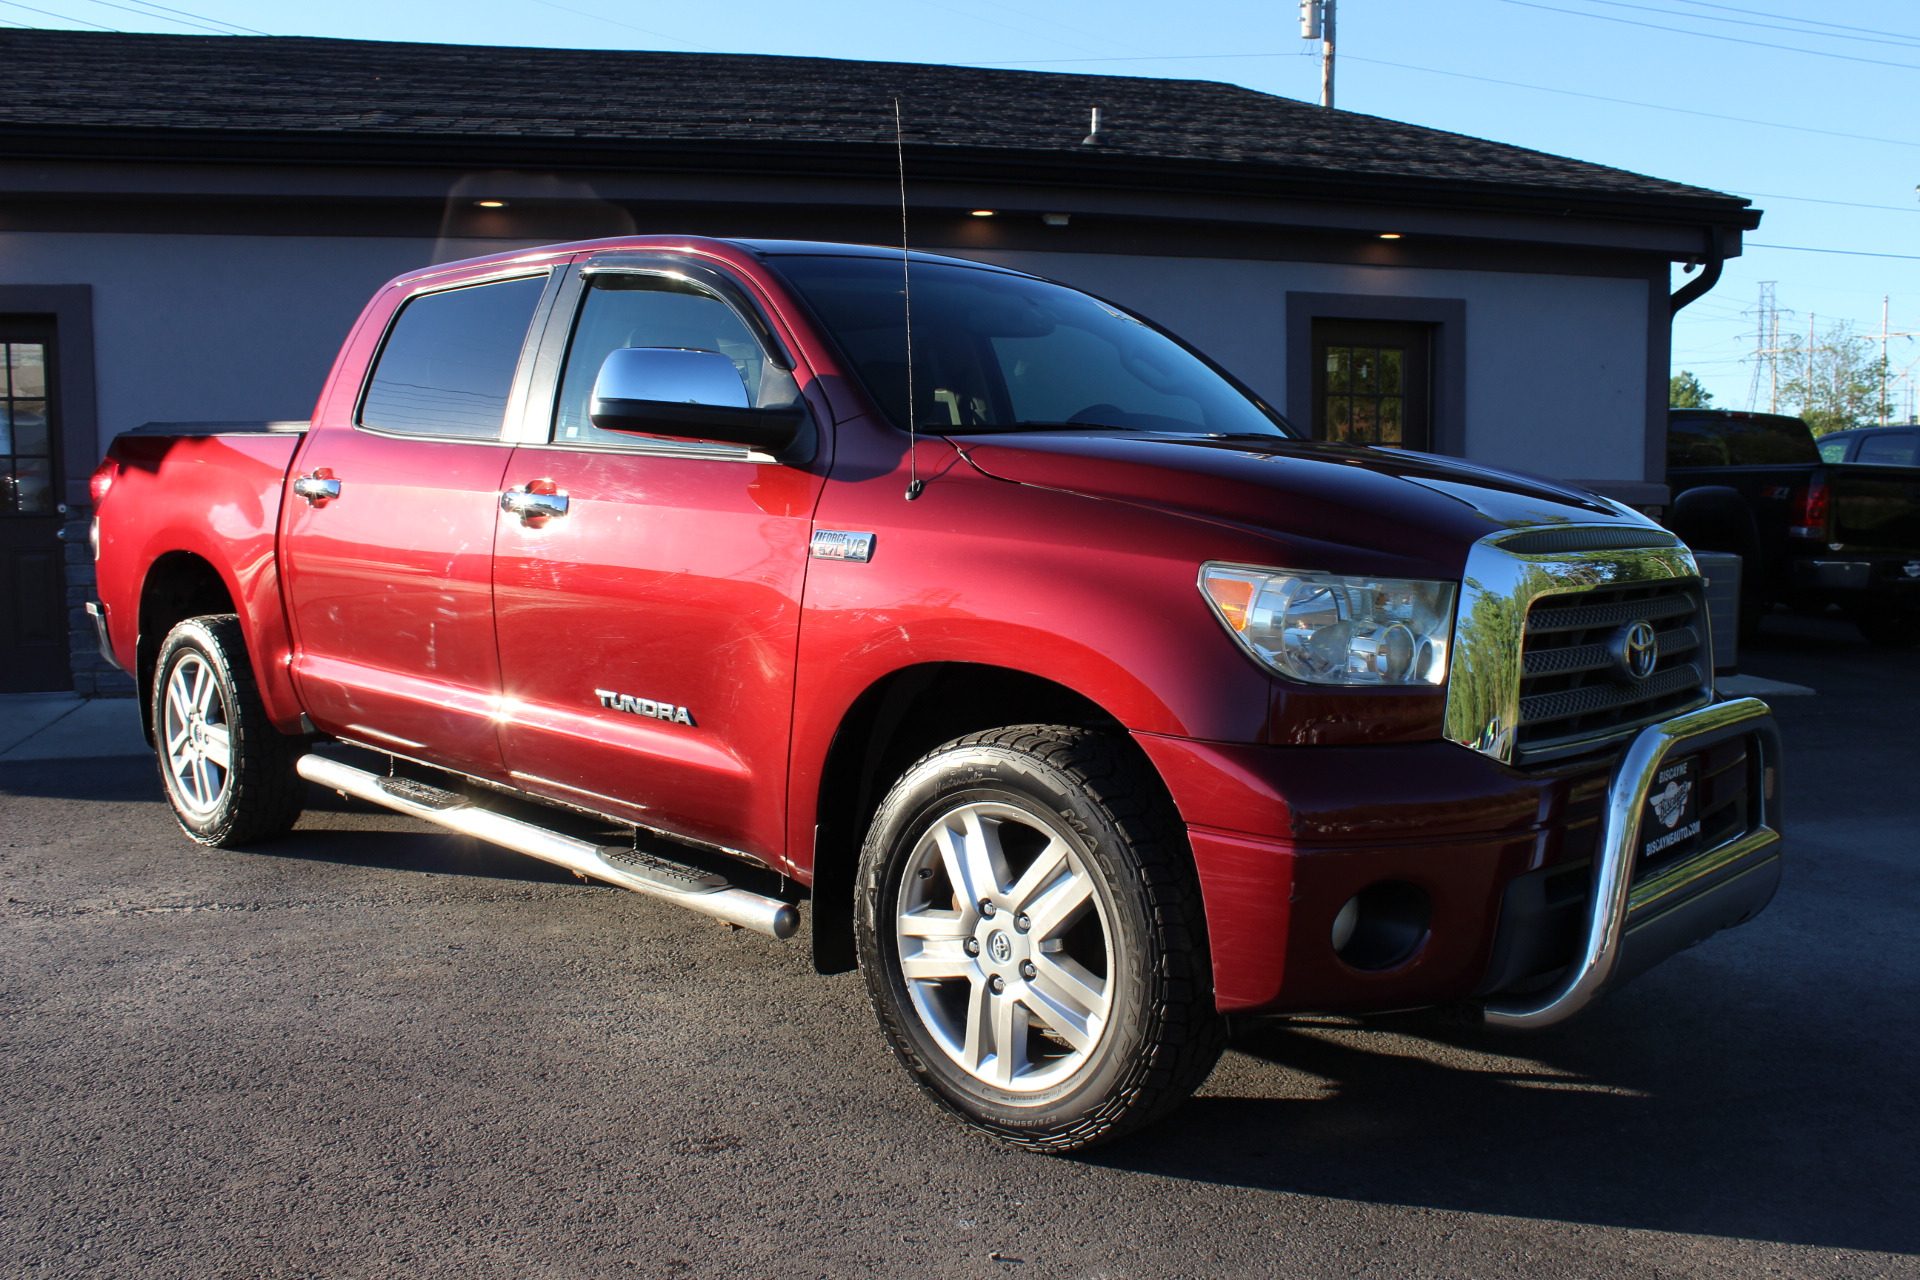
pixel 1030 929
pixel 229 774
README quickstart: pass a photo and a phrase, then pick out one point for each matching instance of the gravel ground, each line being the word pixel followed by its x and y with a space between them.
pixel 373 1049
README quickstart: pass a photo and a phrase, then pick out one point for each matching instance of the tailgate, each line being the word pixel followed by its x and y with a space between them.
pixel 1876 508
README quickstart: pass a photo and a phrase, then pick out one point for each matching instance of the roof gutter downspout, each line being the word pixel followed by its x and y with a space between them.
pixel 1716 258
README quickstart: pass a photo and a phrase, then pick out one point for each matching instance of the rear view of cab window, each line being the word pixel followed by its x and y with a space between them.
pixel 449 361
pixel 1692 442
pixel 1765 440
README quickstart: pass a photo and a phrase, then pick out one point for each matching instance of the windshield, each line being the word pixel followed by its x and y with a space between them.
pixel 997 352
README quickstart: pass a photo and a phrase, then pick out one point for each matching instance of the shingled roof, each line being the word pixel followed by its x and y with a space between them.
pixel 89 91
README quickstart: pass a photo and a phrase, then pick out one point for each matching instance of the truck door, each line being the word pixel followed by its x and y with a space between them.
pixel 647 625
pixel 387 553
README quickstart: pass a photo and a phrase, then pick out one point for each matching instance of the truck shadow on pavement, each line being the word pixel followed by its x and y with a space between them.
pixel 1611 1124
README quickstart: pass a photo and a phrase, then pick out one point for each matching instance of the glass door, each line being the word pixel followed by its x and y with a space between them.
pixel 33 614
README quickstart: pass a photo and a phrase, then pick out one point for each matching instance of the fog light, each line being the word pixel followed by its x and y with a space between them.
pixel 1382 926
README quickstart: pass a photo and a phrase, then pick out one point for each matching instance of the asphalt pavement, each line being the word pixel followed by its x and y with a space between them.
pixel 373 1049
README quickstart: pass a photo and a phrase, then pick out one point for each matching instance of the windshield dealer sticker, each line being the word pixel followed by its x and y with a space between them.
pixel 837 544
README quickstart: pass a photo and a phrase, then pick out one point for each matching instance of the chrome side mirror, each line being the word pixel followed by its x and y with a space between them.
pixel 687 395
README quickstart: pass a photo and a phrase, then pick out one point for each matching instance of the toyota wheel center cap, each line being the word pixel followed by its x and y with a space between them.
pixel 999 946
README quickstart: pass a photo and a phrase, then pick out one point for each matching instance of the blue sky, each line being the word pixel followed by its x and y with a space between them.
pixel 1844 178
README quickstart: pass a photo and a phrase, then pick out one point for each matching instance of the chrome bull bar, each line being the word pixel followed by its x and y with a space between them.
pixel 1616 900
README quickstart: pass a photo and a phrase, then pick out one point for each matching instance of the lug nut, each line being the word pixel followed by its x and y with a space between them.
pixel 1027 970
pixel 1022 923
pixel 986 907
pixel 973 946
pixel 996 984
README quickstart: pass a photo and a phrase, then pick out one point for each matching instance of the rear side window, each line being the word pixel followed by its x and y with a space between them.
pixel 1832 450
pixel 1894 449
pixel 449 360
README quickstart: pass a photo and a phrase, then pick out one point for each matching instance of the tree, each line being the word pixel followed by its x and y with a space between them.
pixel 1685 392
pixel 1834 383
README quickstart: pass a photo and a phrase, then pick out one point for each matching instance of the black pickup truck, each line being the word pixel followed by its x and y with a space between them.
pixel 1810 533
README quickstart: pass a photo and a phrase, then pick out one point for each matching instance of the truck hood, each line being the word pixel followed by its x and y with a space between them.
pixel 1318 497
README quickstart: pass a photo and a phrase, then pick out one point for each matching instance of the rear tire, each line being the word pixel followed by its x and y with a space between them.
pixel 229 774
pixel 1030 928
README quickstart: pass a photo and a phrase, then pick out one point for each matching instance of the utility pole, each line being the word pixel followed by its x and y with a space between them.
pixel 1316 23
pixel 1886 332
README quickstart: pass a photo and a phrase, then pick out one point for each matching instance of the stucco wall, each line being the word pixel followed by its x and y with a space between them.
pixel 200 327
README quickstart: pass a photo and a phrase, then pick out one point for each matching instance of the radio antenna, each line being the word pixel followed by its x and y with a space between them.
pixel 915 485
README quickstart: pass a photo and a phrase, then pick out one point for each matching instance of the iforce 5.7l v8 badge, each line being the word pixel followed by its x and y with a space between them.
pixel 838 544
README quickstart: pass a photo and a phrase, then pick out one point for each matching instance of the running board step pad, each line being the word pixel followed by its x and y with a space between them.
pixel 645 873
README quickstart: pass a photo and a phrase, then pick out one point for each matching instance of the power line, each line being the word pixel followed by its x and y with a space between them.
pixel 1628 102
pixel 1461 75
pixel 1905 42
pixel 1815 22
pixel 14 4
pixel 198 26
pixel 1851 253
pixel 1848 204
pixel 1712 35
pixel 201 16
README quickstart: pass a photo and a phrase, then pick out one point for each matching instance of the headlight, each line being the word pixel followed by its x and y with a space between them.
pixel 1328 629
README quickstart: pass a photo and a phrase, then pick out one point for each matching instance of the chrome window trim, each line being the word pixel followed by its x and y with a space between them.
pixel 1497 588
pixel 522 369
pixel 531 414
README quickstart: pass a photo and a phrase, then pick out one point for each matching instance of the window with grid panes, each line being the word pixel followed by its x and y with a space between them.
pixel 26 443
pixel 1371 383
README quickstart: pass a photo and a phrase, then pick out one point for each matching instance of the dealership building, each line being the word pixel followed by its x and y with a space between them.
pixel 188 226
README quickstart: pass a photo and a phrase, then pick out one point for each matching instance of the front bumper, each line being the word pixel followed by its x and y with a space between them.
pixel 1631 927
pixel 1283 837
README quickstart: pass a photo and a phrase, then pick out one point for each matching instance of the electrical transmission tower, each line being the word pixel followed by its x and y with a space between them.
pixel 1766 352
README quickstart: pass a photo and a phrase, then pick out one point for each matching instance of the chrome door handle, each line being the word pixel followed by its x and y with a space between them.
pixel 531 506
pixel 317 487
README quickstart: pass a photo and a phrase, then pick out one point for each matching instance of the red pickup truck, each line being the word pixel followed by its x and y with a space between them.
pixel 1080 700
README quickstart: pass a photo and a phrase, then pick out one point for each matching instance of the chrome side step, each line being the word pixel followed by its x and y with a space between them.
pixel 656 877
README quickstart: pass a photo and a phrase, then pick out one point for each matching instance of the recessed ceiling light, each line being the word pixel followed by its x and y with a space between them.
pixel 491 204
pixel 1389 235
pixel 983 213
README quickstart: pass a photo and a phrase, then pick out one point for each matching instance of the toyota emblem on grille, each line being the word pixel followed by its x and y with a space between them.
pixel 1635 649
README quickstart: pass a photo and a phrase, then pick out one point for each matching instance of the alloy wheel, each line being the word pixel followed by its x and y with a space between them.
pixel 1005 946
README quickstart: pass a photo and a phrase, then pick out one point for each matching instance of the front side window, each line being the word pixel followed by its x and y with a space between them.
pixel 1000 352
pixel 622 309
pixel 449 360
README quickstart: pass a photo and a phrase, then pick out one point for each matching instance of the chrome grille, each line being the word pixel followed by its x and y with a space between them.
pixel 1572 697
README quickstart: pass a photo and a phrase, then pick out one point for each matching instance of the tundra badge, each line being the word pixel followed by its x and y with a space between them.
pixel 643 707
pixel 835 544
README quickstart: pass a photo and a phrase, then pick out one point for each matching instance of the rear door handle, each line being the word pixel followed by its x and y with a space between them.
pixel 317 487
pixel 535 503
